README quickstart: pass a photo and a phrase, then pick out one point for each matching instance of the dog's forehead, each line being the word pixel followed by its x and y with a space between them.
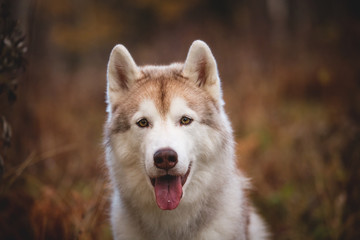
pixel 165 91
pixel 163 87
pixel 163 94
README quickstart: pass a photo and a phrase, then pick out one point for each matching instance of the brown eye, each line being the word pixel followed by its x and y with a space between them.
pixel 143 123
pixel 185 121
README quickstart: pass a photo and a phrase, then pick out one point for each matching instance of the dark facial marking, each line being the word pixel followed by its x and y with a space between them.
pixel 121 124
pixel 208 119
pixel 123 82
pixel 202 72
pixel 163 101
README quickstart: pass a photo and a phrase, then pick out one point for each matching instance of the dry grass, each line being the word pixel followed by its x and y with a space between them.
pixel 294 108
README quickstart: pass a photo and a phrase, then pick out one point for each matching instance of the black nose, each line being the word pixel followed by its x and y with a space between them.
pixel 165 158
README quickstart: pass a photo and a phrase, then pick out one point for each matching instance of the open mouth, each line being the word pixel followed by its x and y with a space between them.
pixel 168 190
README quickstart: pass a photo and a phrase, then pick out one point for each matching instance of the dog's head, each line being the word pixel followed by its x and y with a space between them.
pixel 163 121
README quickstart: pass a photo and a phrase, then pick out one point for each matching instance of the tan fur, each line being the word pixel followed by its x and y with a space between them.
pixel 214 204
pixel 162 85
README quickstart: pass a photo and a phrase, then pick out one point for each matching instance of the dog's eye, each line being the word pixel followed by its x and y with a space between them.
pixel 185 121
pixel 142 123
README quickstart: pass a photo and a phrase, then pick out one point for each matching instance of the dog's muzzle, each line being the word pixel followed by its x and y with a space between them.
pixel 168 188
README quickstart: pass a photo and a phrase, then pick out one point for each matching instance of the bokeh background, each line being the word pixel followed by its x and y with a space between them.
pixel 290 72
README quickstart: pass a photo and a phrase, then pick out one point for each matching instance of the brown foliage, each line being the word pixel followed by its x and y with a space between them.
pixel 290 75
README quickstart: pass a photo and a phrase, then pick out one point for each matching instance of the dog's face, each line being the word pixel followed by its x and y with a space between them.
pixel 163 120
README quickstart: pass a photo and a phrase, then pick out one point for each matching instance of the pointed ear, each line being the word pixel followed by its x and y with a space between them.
pixel 200 66
pixel 122 71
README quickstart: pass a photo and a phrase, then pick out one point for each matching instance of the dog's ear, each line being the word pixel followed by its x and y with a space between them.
pixel 200 66
pixel 122 71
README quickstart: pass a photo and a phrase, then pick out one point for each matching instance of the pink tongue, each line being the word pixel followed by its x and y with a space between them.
pixel 168 192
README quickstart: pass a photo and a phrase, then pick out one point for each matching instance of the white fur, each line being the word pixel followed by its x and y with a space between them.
pixel 214 205
pixel 199 52
pixel 164 133
pixel 120 61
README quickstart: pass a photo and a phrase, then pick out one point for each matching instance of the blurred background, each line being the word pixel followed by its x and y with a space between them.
pixel 290 72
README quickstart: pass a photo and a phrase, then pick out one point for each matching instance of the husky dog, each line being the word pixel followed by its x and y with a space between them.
pixel 170 153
